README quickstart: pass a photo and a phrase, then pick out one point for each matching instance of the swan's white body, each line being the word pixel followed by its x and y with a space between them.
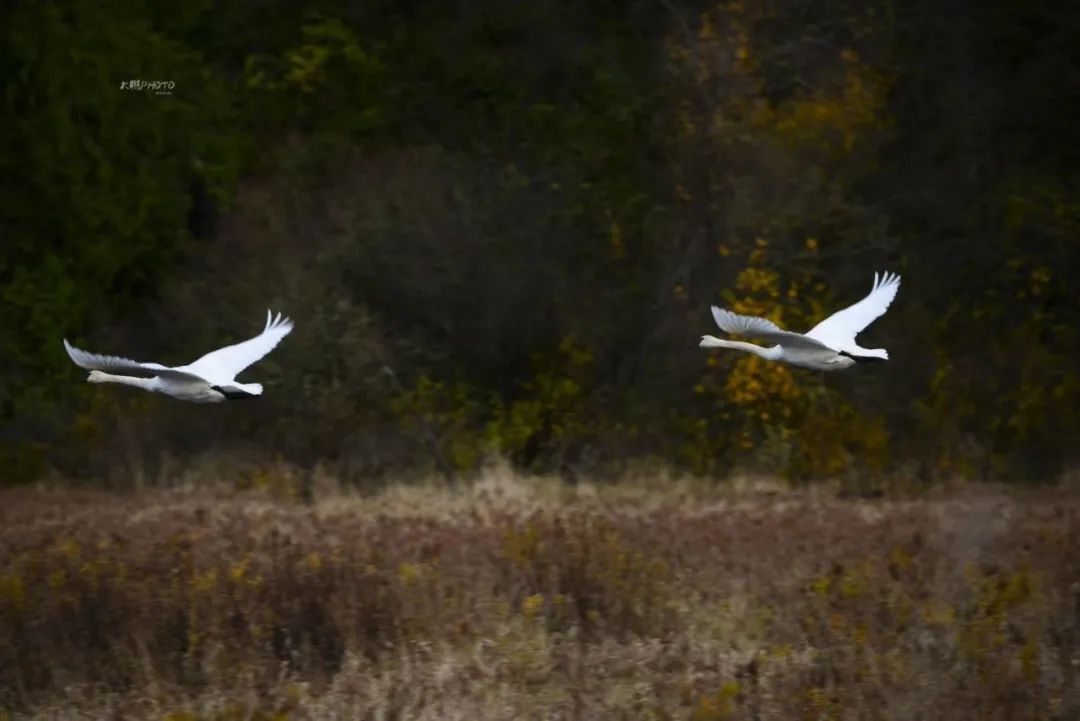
pixel 830 345
pixel 210 379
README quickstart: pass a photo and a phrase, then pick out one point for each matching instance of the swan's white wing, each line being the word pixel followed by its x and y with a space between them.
pixel 840 328
pixel 766 330
pixel 226 363
pixel 118 365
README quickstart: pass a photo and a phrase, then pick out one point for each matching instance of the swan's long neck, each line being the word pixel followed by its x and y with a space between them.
pixel 147 384
pixel 708 341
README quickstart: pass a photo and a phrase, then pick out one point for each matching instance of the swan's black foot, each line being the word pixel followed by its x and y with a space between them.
pixel 232 394
pixel 862 358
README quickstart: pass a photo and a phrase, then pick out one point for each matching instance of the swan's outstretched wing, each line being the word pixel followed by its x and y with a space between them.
pixel 839 329
pixel 766 330
pixel 226 363
pixel 118 365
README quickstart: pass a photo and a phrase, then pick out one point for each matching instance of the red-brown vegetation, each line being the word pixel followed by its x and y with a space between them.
pixel 524 599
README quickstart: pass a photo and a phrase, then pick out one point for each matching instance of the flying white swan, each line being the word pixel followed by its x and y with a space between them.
pixel 211 379
pixel 830 345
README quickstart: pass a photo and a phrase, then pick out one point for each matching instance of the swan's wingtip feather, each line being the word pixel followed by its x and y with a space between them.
pixel 885 279
pixel 277 321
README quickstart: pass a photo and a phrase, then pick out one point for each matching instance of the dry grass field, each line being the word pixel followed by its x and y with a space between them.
pixel 515 598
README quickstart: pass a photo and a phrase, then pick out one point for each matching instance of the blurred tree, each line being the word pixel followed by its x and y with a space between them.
pixel 97 178
pixel 500 227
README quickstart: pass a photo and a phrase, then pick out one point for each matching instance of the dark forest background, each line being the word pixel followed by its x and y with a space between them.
pixel 499 227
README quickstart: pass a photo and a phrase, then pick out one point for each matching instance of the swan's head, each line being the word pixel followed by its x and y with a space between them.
pixel 96 377
pixel 708 341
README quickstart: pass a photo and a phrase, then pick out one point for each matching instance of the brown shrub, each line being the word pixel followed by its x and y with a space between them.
pixel 511 601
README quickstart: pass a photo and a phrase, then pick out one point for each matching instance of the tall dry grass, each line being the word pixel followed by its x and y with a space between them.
pixel 518 598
